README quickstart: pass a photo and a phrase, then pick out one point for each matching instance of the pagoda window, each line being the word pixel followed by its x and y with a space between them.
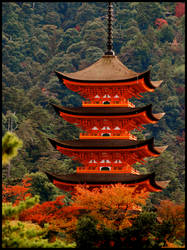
pixel 117 128
pixel 117 161
pixel 105 168
pixel 106 128
pixel 95 128
pixel 105 161
pixel 116 96
pixel 106 102
pixel 92 161
pixel 106 134
pixel 106 96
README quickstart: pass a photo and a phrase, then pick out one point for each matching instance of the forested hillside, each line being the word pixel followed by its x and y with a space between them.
pixel 40 37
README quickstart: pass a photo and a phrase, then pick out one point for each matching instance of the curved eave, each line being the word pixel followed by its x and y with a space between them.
pixel 105 179
pixel 109 144
pixel 160 149
pixel 145 75
pixel 61 76
pixel 107 111
pixel 162 184
pixel 156 84
pixel 158 116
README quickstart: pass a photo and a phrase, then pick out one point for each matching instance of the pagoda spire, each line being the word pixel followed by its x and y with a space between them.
pixel 110 41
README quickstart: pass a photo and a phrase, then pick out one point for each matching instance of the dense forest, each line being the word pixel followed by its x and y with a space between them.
pixel 41 37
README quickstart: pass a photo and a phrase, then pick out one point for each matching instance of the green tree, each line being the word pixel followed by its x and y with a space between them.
pixel 41 186
pixel 166 33
pixel 83 14
pixel 146 232
pixel 41 56
pixel 53 18
pixel 8 77
pixel 86 234
pixel 166 168
pixel 147 12
pixel 78 48
pixel 92 54
pixel 94 33
pixel 11 121
pixel 70 37
pixel 17 101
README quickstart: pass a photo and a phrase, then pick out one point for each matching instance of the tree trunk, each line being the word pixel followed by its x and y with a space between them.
pixel 8 171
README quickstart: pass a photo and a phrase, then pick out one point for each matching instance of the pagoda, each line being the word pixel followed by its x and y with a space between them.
pixel 106 149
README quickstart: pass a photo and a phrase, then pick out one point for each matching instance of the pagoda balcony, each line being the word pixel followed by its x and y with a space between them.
pixel 117 168
pixel 98 170
pixel 107 165
pixel 112 135
pixel 110 103
pixel 89 167
pixel 92 165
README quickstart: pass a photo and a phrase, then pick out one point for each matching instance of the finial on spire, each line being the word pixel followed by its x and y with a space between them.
pixel 110 42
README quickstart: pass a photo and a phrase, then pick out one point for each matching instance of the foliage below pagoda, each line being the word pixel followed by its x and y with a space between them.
pixel 40 37
pixel 77 222
pixel 110 206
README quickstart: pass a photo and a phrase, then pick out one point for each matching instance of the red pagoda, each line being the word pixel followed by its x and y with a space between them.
pixel 107 150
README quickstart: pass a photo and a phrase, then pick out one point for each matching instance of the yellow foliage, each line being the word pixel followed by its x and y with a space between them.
pixel 172 245
pixel 10 145
pixel 112 206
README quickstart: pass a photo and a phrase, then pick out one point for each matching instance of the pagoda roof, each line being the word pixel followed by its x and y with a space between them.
pixel 102 144
pixel 108 69
pixel 108 111
pixel 107 178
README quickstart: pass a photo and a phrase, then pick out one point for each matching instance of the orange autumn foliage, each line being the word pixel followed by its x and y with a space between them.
pixel 112 205
pixel 169 211
pixel 65 220
pixel 42 213
pixel 55 213
pixel 180 9
pixel 16 193
pixel 172 245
